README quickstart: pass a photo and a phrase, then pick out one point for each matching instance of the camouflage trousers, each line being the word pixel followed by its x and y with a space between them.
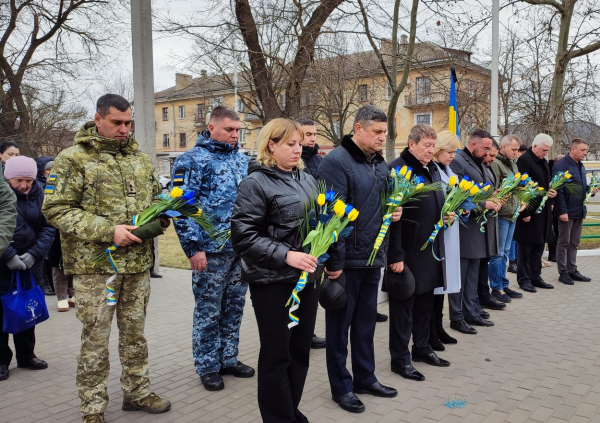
pixel 220 297
pixel 132 293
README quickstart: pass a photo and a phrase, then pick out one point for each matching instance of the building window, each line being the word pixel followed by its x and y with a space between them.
pixel 362 92
pixel 388 91
pixel 215 102
pixel 181 112
pixel 242 138
pixel 336 128
pixel 165 113
pixel 423 90
pixel 423 118
pixel 165 140
pixel 241 107
pixel 200 114
pixel 182 139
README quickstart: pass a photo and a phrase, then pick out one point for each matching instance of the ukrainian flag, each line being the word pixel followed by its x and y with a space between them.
pixel 453 112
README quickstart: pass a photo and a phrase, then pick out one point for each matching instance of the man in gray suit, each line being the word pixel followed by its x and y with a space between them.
pixel 473 244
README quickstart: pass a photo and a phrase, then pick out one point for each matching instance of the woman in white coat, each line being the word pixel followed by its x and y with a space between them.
pixel 445 149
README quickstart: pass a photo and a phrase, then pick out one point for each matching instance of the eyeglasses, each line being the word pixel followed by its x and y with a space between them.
pixel 487 149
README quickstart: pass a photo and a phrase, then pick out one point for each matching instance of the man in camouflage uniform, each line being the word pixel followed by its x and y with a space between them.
pixel 213 169
pixel 8 214
pixel 95 189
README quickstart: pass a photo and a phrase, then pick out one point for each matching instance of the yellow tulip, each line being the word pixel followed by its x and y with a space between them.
pixel 487 187
pixel 462 183
pixel 540 188
pixel 408 175
pixel 198 213
pixel 518 175
pixel 176 192
pixel 452 180
pixel 474 190
pixel 353 215
pixel 321 199
pixel 403 170
pixel 524 176
pixel 421 185
pixel 339 208
pixel 569 176
pixel 393 173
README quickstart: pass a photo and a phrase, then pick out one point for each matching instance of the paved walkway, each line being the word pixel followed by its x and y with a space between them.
pixel 539 363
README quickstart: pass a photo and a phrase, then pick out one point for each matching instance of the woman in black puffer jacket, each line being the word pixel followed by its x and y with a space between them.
pixel 265 231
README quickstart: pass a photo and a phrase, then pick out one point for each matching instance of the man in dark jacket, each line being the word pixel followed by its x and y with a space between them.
pixel 464 310
pixel 357 171
pixel 412 315
pixel 571 211
pixel 531 231
pixel 213 169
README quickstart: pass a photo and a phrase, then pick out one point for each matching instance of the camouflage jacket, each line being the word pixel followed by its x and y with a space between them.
pixel 95 185
pixel 213 170
pixel 8 214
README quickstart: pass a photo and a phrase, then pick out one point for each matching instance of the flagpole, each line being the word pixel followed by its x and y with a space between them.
pixel 494 87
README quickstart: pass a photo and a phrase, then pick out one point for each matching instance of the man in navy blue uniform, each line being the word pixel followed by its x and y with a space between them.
pixel 213 169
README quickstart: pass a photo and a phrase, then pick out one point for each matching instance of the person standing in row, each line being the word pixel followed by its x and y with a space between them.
pixel 8 213
pixel 532 228
pixel 357 171
pixel 99 184
pixel 266 224
pixel 213 170
pixel 571 211
pixel 8 149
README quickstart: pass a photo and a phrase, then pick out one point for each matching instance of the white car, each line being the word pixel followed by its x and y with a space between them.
pixel 164 181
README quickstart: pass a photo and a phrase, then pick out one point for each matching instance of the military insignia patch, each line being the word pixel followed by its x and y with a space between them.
pixel 49 189
pixel 51 178
pixel 178 179
pixel 130 188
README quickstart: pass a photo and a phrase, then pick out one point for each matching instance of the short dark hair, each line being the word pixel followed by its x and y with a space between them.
pixel 222 112
pixel 107 101
pixel 369 113
pixel 304 121
pixel 480 134
pixel 577 141
pixel 5 145
pixel 495 144
pixel 420 131
pixel 523 148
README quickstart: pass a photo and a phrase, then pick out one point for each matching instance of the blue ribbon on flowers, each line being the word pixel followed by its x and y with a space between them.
pixel 110 296
pixel 295 299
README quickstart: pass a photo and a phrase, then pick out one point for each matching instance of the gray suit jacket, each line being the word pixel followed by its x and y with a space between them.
pixel 473 242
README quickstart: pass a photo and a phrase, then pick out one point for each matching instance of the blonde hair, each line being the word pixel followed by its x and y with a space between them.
pixel 446 140
pixel 277 130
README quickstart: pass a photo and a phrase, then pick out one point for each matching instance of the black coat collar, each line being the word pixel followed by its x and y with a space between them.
pixel 413 162
pixel 357 154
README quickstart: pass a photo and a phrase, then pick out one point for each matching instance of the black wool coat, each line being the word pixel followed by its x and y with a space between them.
pixel 311 159
pixel 408 235
pixel 535 231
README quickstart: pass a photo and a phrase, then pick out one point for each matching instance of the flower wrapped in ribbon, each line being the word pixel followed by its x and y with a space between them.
pixel 457 201
pixel 525 195
pixel 403 187
pixel 560 180
pixel 593 185
pixel 326 223
pixel 152 222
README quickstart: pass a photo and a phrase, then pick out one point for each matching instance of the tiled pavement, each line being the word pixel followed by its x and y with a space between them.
pixel 539 363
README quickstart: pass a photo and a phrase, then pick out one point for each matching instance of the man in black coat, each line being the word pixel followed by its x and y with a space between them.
pixel 464 310
pixel 532 229
pixel 411 315
pixel 357 171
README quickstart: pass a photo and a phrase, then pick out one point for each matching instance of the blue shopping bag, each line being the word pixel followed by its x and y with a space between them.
pixel 23 308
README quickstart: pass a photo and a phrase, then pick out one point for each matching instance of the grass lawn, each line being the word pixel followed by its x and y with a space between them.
pixel 170 251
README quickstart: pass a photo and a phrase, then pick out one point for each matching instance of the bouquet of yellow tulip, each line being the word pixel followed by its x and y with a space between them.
pixel 175 205
pixel 403 187
pixel 594 183
pixel 559 181
pixel 457 196
pixel 326 222
pixel 525 194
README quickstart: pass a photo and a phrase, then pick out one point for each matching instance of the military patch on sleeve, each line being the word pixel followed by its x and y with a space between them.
pixel 51 179
pixel 178 179
pixel 49 189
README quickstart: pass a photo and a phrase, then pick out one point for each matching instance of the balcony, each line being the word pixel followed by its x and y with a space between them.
pixel 251 117
pixel 414 100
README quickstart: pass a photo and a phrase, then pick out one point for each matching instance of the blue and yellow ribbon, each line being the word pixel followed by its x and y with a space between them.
pixel 387 221
pixel 295 299
pixel 111 299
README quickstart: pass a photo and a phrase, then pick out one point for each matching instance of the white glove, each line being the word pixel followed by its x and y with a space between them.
pixel 27 259
pixel 15 263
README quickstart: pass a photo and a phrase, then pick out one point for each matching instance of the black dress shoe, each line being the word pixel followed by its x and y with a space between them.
pixel 34 364
pixel 239 370
pixel 491 303
pixel 552 258
pixel 349 402
pixel 528 287
pixel 501 296
pixel 566 278
pixel 579 277
pixel 48 290
pixel 512 266
pixel 318 343
pixel 542 284
pixel 376 389
pixel 512 294
pixel 3 372
pixel 212 382
pixel 463 327
pixel 478 321
pixel 155 275
pixel 431 359
pixel 381 318
pixel 484 314
pixel 408 372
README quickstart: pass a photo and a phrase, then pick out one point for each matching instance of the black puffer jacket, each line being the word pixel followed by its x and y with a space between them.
pixel 360 180
pixel 311 159
pixel 33 234
pixel 267 216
